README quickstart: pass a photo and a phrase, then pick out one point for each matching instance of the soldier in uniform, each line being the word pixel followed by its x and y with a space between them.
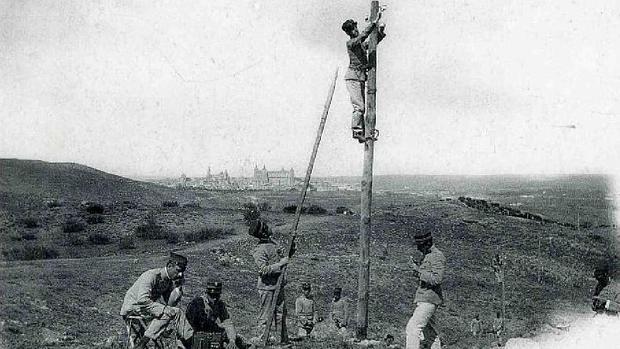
pixel 269 262
pixel 606 298
pixel 428 296
pixel 208 313
pixel 154 297
pixel 339 311
pixel 305 311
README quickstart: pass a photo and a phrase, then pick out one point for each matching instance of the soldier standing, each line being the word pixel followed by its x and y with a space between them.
pixel 270 263
pixel 305 311
pixel 428 296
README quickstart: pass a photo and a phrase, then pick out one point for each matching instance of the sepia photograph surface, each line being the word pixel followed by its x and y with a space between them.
pixel 309 174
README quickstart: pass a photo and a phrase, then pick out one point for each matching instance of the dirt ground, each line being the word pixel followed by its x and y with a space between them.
pixel 74 302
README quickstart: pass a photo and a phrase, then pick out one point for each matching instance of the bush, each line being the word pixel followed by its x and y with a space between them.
pixel 94 208
pixel 250 213
pixel 170 203
pixel 94 219
pixel 173 237
pixel 206 233
pixel 343 210
pixel 126 242
pixel 26 253
pixel 292 209
pixel 193 204
pixel 151 230
pixel 315 209
pixel 73 226
pixel 29 222
pixel 75 240
pixel 99 239
pixel 264 206
pixel 29 236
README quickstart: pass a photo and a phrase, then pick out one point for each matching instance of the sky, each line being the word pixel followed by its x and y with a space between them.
pixel 160 88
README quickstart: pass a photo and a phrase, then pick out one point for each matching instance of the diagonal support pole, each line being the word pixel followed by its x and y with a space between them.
pixel 300 202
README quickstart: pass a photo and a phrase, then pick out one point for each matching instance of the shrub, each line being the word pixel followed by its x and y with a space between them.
pixel 250 213
pixel 151 230
pixel 75 240
pixel 292 209
pixel 29 222
pixel 264 206
pixel 29 236
pixel 170 203
pixel 126 242
pixel 94 208
pixel 73 226
pixel 205 233
pixel 26 253
pixel 94 219
pixel 99 239
pixel 173 237
pixel 315 209
pixel 193 204
pixel 343 210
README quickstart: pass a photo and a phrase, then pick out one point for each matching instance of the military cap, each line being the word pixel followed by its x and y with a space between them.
pixel 214 287
pixel 305 286
pixel 348 25
pixel 338 290
pixel 421 237
pixel 177 259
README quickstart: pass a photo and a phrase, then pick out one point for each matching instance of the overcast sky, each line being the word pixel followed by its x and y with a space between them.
pixel 160 88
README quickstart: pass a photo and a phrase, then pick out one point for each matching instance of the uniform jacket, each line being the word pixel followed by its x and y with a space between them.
pixel 432 270
pixel 267 256
pixel 204 316
pixel 142 297
pixel 304 310
pixel 340 312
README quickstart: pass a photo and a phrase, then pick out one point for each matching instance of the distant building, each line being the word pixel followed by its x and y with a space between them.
pixel 273 179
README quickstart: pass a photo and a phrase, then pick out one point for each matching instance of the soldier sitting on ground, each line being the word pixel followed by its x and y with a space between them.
pixel 339 311
pixel 205 311
pixel 305 311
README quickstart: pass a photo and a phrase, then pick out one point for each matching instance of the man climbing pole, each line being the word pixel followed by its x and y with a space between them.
pixel 356 76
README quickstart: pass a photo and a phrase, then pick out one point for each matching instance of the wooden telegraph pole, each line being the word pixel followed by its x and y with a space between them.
pixel 366 188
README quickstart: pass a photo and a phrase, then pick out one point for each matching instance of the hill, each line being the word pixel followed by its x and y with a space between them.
pixel 548 266
pixel 34 179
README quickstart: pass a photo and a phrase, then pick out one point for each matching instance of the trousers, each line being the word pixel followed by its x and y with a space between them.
pixel 421 327
pixel 357 92
pixel 178 322
pixel 266 302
